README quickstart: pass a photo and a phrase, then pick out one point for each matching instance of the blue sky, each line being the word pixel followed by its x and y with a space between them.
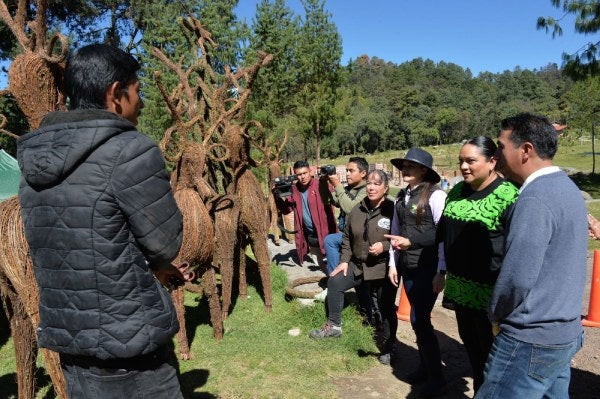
pixel 482 35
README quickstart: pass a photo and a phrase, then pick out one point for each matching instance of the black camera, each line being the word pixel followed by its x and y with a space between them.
pixel 327 170
pixel 283 185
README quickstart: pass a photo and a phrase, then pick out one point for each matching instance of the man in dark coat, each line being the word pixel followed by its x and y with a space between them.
pixel 102 227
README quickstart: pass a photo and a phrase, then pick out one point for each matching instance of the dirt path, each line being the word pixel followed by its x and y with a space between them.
pixel 390 382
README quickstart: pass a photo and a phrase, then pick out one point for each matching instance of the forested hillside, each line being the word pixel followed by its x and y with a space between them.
pixel 329 109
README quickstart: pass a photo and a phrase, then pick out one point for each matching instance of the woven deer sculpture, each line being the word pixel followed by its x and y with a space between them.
pixel 210 153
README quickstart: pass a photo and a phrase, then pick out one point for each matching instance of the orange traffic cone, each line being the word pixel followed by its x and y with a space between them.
pixel 593 317
pixel 403 311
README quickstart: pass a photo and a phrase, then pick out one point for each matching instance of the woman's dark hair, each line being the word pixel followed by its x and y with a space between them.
pixel 486 146
pixel 427 189
pixel 92 69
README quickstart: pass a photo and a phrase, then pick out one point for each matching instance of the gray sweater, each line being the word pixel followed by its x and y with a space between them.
pixel 539 292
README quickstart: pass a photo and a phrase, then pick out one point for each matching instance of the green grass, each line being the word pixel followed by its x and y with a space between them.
pixel 257 358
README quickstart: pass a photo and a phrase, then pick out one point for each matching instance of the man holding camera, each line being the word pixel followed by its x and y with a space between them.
pixel 345 198
pixel 313 216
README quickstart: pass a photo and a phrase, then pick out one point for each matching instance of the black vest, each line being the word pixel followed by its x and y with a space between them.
pixel 423 250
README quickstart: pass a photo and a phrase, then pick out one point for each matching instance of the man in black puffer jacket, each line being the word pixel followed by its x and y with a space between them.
pixel 103 227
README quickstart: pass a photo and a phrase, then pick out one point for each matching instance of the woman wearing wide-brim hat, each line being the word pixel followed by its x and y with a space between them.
pixel 414 254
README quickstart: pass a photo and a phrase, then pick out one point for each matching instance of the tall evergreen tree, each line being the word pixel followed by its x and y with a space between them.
pixel 229 34
pixel 318 55
pixel 162 28
pixel 275 31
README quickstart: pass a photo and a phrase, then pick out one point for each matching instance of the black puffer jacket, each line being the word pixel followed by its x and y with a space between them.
pixel 98 213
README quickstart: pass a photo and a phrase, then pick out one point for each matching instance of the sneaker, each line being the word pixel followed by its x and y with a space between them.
pixel 387 356
pixel 321 296
pixel 327 331
pixel 385 359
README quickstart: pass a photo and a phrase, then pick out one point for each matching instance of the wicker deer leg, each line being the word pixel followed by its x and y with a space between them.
pixel 52 364
pixel 288 224
pixel 23 338
pixel 209 287
pixel 254 219
pixel 243 283
pixel 273 217
pixel 178 296
pixel 227 215
pixel 226 269
pixel 261 252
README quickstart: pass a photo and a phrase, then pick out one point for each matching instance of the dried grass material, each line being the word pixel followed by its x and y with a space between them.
pixel 254 217
pixel 52 365
pixel 34 82
pixel 209 287
pixel 198 230
pixel 177 296
pixel 274 227
pixel 288 224
pixel 226 211
pixel 14 257
pixel 24 339
pixel 255 209
pixel 238 145
pixel 191 170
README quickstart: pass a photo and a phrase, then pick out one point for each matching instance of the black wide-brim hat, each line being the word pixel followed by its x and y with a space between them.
pixel 421 157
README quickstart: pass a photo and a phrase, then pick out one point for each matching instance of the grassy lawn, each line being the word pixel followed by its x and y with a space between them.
pixel 257 358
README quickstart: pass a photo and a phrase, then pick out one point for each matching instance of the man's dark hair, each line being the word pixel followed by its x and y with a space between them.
pixel 534 129
pixel 92 69
pixel 361 163
pixel 300 164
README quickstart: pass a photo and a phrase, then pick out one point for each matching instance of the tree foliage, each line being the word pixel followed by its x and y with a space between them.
pixel 275 30
pixel 317 58
pixel 584 62
pixel 329 110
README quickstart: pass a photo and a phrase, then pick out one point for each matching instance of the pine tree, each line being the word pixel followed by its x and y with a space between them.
pixel 318 56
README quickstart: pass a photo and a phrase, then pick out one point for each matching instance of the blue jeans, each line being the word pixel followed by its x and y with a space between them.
pixel 333 245
pixel 517 369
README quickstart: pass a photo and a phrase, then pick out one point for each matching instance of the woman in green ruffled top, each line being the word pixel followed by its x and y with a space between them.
pixel 472 229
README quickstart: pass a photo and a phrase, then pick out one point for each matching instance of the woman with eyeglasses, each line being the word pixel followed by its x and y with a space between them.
pixel 472 229
pixel 418 208
pixel 364 256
